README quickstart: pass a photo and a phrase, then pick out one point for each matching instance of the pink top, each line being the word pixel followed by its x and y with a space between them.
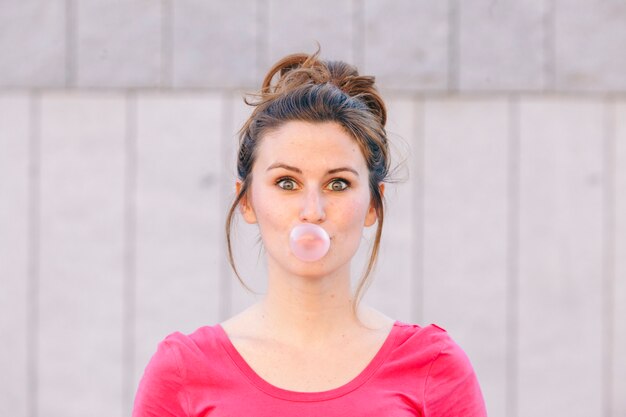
pixel 417 372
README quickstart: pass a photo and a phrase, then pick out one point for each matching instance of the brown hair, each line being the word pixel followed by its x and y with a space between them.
pixel 315 90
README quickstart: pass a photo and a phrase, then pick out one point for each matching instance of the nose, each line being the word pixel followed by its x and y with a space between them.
pixel 312 210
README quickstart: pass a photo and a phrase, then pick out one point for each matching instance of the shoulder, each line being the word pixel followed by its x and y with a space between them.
pixel 177 349
pixel 435 345
pixel 197 339
pixel 163 389
pixel 429 340
pixel 450 386
pixel 200 341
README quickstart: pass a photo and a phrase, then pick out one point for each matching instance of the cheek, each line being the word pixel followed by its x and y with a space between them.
pixel 267 212
pixel 352 215
pixel 273 220
pixel 350 225
pixel 355 212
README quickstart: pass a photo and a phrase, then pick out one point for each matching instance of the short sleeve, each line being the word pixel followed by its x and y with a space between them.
pixel 451 388
pixel 161 390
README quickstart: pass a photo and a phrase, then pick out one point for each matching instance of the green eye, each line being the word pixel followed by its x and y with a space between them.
pixel 339 185
pixel 286 184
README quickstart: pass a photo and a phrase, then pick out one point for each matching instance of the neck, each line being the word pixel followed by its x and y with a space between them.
pixel 306 310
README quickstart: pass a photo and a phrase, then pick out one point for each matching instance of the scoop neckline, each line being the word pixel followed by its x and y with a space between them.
pixel 286 394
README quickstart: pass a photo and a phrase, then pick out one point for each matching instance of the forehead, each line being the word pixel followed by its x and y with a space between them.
pixel 311 145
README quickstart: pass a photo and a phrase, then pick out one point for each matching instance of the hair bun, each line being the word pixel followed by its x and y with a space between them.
pixel 362 87
pixel 297 70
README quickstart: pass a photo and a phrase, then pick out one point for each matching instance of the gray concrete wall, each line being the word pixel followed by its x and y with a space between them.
pixel 117 141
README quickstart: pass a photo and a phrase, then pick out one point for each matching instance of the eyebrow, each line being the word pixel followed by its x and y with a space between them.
pixel 299 171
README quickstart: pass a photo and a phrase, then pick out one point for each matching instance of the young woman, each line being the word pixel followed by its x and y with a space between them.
pixel 312 163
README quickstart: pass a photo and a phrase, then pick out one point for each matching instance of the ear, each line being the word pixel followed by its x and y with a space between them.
pixel 245 208
pixel 370 217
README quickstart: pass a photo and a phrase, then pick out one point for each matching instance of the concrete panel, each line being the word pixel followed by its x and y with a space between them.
pixel 396 281
pixel 502 45
pixel 82 254
pixel 560 258
pixel 246 239
pixel 466 156
pixel 215 43
pixel 178 229
pixel 589 44
pixel 32 58
pixel 406 43
pixel 14 241
pixel 618 365
pixel 294 28
pixel 118 43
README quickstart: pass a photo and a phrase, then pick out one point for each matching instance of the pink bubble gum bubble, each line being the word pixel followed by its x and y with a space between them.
pixel 309 242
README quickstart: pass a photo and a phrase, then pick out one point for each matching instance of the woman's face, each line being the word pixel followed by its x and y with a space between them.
pixel 309 173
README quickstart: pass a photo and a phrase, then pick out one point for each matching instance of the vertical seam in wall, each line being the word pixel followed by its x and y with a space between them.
pixel 167 42
pixel 71 26
pixel 454 7
pixel 512 313
pixel 418 205
pixel 225 284
pixel 609 254
pixel 358 33
pixel 34 254
pixel 130 217
pixel 262 21
pixel 549 46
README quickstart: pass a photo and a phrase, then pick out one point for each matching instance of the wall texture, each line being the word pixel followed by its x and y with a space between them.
pixel 118 125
